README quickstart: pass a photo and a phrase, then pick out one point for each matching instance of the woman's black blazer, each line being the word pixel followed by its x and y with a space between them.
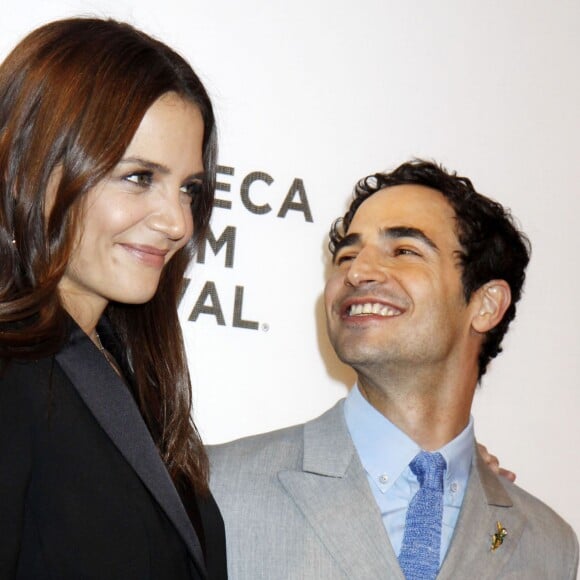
pixel 83 491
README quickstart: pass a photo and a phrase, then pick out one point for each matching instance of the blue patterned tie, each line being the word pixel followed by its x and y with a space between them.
pixel 419 557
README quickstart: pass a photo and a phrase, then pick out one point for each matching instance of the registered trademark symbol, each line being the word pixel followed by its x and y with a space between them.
pixel 265 327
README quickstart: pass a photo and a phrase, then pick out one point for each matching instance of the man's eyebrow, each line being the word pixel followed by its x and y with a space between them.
pixel 349 240
pixel 153 166
pixel 397 232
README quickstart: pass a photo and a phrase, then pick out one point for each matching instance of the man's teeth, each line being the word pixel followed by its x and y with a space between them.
pixel 372 308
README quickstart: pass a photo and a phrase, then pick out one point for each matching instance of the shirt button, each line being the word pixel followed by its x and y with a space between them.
pixel 383 478
pixel 454 487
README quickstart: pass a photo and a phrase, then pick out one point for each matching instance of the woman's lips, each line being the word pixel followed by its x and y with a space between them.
pixel 148 255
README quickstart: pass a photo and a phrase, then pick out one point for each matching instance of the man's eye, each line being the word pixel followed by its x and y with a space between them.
pixel 406 252
pixel 193 188
pixel 344 258
pixel 140 178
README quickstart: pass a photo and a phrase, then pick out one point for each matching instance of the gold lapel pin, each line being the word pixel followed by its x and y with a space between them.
pixel 498 537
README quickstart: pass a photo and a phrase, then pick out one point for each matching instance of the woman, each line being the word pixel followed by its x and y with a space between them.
pixel 107 164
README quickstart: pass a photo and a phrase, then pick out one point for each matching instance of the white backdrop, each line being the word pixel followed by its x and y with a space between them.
pixel 310 96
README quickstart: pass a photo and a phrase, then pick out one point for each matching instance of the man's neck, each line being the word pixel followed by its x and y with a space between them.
pixel 431 412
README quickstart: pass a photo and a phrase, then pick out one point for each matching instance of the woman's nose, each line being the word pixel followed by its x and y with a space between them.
pixel 171 217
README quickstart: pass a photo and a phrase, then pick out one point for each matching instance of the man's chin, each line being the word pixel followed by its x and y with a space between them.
pixel 357 355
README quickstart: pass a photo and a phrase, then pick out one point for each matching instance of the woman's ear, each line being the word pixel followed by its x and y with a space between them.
pixel 492 300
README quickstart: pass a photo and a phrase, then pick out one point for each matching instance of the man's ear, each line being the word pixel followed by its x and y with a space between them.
pixel 491 301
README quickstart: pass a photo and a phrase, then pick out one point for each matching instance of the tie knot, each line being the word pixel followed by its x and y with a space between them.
pixel 429 469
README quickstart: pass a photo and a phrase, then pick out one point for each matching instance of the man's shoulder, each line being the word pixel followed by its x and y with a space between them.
pixel 243 468
pixel 544 538
pixel 540 516
pixel 257 447
pixel 269 451
pixel 548 541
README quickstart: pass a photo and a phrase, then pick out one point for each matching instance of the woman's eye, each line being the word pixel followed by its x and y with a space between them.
pixel 193 188
pixel 140 178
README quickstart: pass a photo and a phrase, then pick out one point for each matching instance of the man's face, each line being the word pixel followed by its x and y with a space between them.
pixel 395 295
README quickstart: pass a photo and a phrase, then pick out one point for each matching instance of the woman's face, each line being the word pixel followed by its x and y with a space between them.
pixel 136 218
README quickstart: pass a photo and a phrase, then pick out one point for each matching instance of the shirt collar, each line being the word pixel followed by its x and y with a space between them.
pixel 458 454
pixel 385 451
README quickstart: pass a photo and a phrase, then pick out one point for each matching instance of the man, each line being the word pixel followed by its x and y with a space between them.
pixel 387 484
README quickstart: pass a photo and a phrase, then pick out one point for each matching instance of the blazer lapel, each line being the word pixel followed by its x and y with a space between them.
pixel 114 408
pixel 332 492
pixel 485 504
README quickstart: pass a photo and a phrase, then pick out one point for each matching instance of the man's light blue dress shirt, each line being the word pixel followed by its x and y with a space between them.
pixel 385 453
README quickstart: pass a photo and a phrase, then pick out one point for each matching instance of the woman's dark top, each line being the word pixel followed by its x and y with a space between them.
pixel 83 491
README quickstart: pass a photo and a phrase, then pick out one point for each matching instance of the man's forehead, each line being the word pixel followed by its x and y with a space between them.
pixel 407 205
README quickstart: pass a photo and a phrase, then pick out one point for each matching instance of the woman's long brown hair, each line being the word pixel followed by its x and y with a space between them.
pixel 72 95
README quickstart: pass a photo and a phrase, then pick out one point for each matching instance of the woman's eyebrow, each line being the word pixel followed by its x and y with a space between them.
pixel 146 164
pixel 154 166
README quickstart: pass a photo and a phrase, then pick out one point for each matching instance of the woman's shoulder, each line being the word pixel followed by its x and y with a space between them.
pixel 14 367
pixel 26 378
pixel 26 389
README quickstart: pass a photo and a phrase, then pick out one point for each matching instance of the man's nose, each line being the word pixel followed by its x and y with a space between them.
pixel 365 268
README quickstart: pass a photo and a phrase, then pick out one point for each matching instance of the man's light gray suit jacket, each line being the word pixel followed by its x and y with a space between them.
pixel 297 505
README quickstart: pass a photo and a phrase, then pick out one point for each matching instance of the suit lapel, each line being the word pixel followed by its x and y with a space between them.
pixel 486 502
pixel 113 406
pixel 333 494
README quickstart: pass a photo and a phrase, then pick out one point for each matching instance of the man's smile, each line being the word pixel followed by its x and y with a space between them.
pixel 370 308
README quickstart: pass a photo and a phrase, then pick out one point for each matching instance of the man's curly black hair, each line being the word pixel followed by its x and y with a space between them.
pixel 492 245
